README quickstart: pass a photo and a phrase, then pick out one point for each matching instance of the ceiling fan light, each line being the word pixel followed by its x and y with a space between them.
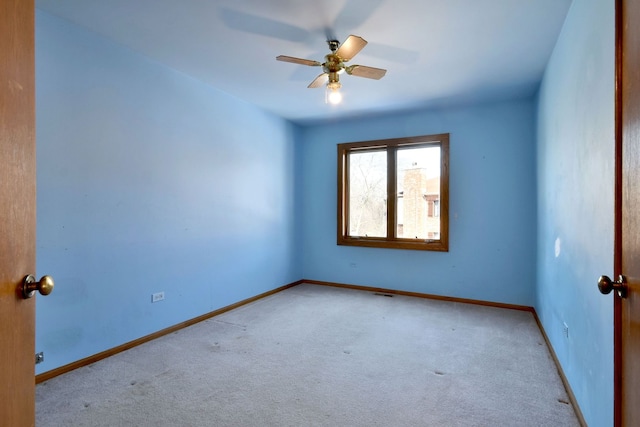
pixel 332 94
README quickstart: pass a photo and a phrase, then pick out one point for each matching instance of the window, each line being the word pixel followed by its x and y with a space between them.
pixel 415 172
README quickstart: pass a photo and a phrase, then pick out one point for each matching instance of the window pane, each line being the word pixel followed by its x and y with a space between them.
pixel 368 194
pixel 418 197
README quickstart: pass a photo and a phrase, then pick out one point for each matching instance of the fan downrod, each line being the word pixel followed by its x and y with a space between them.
pixel 333 45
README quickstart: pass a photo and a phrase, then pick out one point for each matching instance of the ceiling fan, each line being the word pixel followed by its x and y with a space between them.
pixel 333 66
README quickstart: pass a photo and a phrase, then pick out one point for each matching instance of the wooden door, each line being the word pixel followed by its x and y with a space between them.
pixel 627 239
pixel 17 211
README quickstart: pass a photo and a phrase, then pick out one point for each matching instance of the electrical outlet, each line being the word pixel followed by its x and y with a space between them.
pixel 565 330
pixel 158 296
pixel 39 357
pixel 353 265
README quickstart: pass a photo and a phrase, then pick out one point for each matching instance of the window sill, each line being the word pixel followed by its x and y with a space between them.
pixel 417 245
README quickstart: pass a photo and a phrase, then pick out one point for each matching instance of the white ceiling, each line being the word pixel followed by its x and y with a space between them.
pixel 437 52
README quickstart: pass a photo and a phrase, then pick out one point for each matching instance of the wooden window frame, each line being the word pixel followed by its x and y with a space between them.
pixel 391 241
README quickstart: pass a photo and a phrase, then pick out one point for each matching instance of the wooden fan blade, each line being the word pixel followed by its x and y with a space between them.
pixel 350 48
pixel 300 61
pixel 368 72
pixel 319 81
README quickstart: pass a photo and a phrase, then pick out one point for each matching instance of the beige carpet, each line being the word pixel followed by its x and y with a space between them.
pixel 322 356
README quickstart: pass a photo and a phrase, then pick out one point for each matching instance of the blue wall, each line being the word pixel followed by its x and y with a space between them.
pixel 575 203
pixel 492 206
pixel 149 181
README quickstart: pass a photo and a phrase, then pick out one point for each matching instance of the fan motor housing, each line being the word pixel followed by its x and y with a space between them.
pixel 333 63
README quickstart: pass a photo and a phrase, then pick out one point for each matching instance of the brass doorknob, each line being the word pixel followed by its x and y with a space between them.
pixel 30 286
pixel 606 285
